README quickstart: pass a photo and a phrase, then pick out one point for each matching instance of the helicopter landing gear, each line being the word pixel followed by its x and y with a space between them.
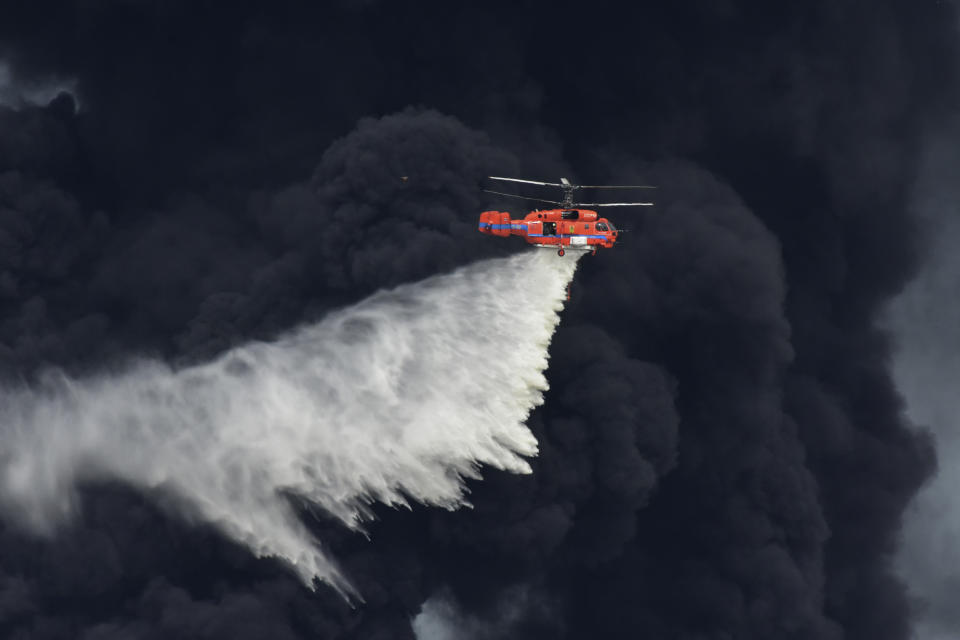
pixel 560 252
pixel 594 252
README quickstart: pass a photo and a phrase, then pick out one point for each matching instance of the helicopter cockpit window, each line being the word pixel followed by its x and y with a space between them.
pixel 612 228
pixel 602 226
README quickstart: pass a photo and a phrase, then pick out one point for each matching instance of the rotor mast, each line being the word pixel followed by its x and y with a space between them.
pixel 568 190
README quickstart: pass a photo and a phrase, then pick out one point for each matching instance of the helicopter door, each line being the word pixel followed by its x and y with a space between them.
pixel 549 228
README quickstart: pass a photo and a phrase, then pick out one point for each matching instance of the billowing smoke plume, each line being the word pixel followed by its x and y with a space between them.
pixel 398 398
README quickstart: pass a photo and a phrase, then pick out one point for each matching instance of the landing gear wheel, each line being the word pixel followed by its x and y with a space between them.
pixel 594 252
pixel 560 252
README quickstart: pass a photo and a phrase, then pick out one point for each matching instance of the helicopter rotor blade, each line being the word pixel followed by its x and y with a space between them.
pixel 513 195
pixel 616 186
pixel 543 184
pixel 615 204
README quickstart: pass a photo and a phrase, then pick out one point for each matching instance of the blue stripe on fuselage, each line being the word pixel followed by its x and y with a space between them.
pixel 565 235
pixel 488 225
pixel 520 227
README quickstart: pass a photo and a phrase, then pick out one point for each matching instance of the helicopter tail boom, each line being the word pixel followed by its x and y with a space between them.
pixel 495 223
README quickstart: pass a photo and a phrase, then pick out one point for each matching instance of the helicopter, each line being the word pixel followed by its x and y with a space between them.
pixel 571 225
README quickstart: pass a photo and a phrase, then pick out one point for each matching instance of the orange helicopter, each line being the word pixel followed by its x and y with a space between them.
pixel 568 226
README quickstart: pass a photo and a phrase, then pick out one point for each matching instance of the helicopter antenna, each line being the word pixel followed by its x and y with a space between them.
pixel 569 189
pixel 513 195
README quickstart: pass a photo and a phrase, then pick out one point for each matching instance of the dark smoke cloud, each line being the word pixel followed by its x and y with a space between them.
pixel 723 453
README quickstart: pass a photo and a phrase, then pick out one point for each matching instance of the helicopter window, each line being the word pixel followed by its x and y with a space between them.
pixel 612 228
pixel 549 228
pixel 569 215
pixel 602 226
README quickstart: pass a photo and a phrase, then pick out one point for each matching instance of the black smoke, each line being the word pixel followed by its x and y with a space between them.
pixel 723 453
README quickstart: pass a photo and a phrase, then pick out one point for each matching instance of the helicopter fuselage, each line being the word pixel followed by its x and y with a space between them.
pixel 557 228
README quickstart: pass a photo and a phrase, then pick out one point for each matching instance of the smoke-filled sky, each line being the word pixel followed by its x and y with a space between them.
pixel 194 194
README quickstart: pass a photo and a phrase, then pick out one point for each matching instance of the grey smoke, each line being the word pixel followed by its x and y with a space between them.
pixel 926 322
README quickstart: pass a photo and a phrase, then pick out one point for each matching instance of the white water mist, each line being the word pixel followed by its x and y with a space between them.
pixel 402 395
